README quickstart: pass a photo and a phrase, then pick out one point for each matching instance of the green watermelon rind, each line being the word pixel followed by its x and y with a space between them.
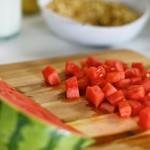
pixel 19 131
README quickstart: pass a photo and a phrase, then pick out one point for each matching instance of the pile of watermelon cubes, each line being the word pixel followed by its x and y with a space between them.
pixel 111 86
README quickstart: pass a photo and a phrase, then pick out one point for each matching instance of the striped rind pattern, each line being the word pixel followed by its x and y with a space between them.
pixel 21 132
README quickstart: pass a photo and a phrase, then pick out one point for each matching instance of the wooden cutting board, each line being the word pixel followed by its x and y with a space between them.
pixel 110 131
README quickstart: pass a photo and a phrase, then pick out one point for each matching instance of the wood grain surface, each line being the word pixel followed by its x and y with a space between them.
pixel 110 131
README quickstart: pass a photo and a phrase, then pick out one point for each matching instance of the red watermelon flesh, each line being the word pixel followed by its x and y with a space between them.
pixel 29 107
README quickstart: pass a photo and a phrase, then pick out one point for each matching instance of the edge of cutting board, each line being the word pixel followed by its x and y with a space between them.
pixel 52 60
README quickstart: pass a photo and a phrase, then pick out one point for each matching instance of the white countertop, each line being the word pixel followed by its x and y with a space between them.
pixel 36 41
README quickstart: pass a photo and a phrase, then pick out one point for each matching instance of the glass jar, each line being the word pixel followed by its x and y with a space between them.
pixel 10 18
pixel 30 7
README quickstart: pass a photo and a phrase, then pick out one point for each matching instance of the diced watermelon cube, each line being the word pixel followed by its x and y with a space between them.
pixel 51 76
pixel 116 97
pixel 124 109
pixel 92 62
pixel 124 83
pixel 132 72
pixel 92 74
pixel 83 83
pixel 108 90
pixel 144 118
pixel 99 82
pixel 101 72
pixel 118 66
pixel 146 84
pixel 146 74
pixel 107 68
pixel 124 92
pixel 138 65
pixel 146 100
pixel 110 62
pixel 85 70
pixel 115 65
pixel 71 68
pixel 79 74
pixel 72 90
pixel 95 95
pixel 136 107
pixel 136 80
pixel 115 76
pixel 135 92
pixel 96 75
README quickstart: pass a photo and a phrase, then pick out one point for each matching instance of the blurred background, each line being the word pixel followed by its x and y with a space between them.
pixel 34 40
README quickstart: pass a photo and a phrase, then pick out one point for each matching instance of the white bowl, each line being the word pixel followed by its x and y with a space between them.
pixel 96 35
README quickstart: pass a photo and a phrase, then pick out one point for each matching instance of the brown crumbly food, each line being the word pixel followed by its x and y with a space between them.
pixel 95 12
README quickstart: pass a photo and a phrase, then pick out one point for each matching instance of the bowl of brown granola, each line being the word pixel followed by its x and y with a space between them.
pixel 95 22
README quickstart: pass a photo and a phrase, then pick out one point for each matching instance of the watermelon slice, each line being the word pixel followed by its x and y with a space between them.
pixel 26 125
